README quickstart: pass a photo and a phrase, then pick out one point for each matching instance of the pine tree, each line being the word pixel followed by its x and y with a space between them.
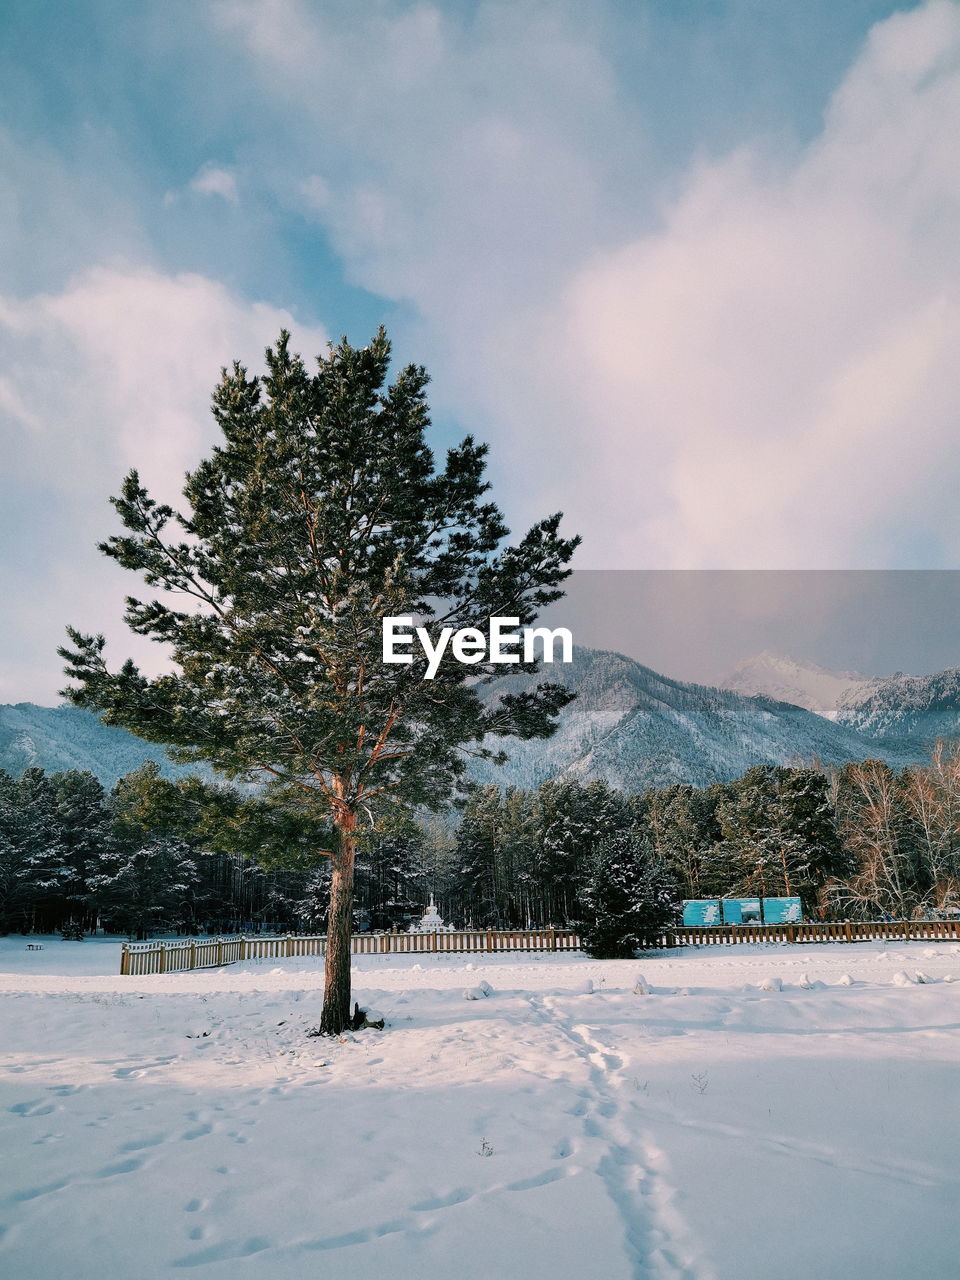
pixel 43 872
pixel 629 898
pixel 141 886
pixel 13 899
pixel 146 875
pixel 81 807
pixel 680 822
pixel 319 514
pixel 574 819
pixel 478 850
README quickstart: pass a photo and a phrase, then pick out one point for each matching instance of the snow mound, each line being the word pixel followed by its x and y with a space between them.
pixel 587 988
pixel 641 987
pixel 923 978
pixel 474 993
pixel 771 984
pixel 809 984
pixel 948 977
pixel 485 987
pixel 845 980
pixel 902 979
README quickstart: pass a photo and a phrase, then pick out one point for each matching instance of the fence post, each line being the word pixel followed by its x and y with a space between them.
pixel 124 961
pixel 553 938
pixel 288 948
pixel 163 957
pixel 219 952
pixel 489 939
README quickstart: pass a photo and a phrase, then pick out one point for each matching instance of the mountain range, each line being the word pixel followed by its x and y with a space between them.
pixel 59 738
pixel 636 728
pixel 919 708
pixel 629 725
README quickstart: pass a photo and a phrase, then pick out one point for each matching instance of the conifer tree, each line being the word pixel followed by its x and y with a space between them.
pixel 320 513
pixel 43 872
pixel 629 897
pixel 81 806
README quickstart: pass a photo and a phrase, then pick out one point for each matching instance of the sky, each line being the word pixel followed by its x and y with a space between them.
pixel 690 267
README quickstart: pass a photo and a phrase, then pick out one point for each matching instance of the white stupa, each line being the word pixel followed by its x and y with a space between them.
pixel 431 921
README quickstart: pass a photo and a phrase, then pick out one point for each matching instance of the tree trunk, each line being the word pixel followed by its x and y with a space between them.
pixel 786 872
pixel 336 989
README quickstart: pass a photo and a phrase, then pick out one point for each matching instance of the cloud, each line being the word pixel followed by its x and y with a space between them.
pixel 784 350
pixel 760 371
pixel 113 372
pixel 212 180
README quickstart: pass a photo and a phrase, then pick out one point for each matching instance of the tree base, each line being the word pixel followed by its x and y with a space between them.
pixel 358 1021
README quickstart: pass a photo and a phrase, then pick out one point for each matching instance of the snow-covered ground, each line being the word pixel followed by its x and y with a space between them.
pixel 711 1128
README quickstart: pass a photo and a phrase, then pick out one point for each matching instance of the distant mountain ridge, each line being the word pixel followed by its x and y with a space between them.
pixel 789 680
pixel 897 707
pixel 920 707
pixel 629 725
pixel 60 738
pixel 636 729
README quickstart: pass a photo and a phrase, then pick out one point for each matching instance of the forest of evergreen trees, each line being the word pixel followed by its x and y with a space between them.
pixel 860 842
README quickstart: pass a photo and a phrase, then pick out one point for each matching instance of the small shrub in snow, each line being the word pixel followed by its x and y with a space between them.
pixel 485 1149
pixel 699 1080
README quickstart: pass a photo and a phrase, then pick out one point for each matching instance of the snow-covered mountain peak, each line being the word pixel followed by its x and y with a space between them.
pixel 792 680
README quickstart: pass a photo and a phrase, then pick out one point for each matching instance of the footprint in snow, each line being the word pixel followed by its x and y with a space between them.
pixel 118 1167
pixel 34 1108
pixel 457 1196
pixel 225 1251
pixel 33 1193
pixel 141 1144
pixel 200 1131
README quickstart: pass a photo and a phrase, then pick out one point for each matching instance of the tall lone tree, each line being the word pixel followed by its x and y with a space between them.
pixel 320 513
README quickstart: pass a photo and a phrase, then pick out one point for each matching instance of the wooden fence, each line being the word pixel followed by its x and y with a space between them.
pixel 209 953
pixel 832 931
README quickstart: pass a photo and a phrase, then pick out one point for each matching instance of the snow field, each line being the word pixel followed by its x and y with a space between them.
pixel 712 1126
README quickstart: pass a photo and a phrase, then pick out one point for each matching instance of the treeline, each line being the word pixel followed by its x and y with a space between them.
pixel 153 855
pixel 859 842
